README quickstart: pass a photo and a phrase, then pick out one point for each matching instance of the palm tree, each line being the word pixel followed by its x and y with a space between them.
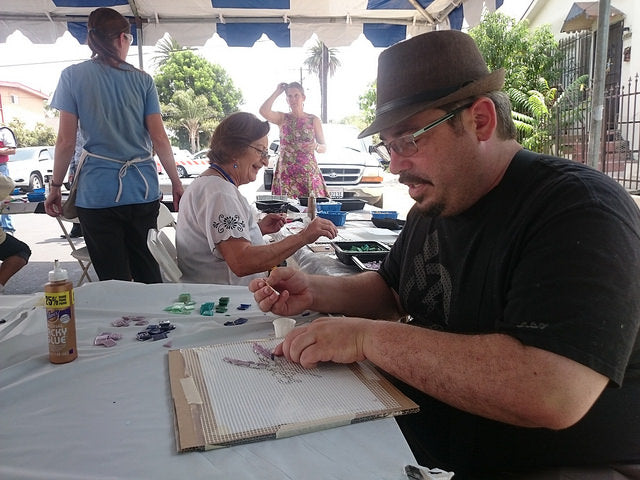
pixel 190 112
pixel 322 61
pixel 164 48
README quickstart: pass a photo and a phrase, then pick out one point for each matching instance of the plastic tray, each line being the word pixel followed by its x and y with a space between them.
pixel 349 204
pixel 390 223
pixel 35 197
pixel 338 218
pixel 328 207
pixel 304 201
pixel 361 264
pixel 384 214
pixel 342 250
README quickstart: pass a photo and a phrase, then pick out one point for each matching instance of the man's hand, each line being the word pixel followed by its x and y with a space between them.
pixel 327 339
pixel 292 285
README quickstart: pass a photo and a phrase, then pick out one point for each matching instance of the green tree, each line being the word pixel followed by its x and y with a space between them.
pixel 322 61
pixel 40 135
pixel 367 103
pixel 185 70
pixel 191 113
pixel 525 54
pixel 541 113
pixel 532 114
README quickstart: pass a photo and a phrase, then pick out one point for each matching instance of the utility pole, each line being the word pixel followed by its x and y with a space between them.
pixel 599 73
pixel 324 73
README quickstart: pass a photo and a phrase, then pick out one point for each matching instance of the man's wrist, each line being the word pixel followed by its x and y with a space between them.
pixel 53 184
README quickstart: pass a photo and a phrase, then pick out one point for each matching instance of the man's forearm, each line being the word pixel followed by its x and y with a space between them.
pixel 364 295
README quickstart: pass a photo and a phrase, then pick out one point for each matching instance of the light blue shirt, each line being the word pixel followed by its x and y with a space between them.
pixel 111 106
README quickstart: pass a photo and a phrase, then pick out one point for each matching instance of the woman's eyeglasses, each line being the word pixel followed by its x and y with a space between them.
pixel 405 146
pixel 263 153
pixel 129 37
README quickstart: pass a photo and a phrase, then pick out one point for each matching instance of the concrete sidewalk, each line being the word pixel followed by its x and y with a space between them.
pixel 42 233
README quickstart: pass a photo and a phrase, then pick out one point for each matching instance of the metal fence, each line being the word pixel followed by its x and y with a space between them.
pixel 570 120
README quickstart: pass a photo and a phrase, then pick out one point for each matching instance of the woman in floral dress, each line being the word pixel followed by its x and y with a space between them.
pixel 297 173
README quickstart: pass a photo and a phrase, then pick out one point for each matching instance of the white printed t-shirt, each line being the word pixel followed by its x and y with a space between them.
pixel 213 210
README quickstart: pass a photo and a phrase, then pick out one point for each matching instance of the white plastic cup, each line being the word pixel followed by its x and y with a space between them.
pixel 283 326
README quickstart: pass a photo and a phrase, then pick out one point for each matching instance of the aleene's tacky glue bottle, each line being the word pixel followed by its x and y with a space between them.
pixel 61 318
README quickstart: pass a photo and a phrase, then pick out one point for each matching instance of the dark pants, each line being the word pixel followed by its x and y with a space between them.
pixel 116 238
pixel 14 247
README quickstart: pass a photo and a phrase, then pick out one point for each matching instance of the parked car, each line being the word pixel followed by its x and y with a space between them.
pixel 188 165
pixel 348 165
pixel 30 167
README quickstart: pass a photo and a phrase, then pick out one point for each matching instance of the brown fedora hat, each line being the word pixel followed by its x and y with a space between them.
pixel 429 71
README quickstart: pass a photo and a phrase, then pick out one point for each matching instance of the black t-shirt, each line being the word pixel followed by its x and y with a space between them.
pixel 551 256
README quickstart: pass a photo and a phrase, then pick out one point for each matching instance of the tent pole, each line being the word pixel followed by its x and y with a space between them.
pixel 140 57
pixel 599 72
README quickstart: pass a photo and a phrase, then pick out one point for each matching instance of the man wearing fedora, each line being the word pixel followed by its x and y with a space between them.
pixel 516 276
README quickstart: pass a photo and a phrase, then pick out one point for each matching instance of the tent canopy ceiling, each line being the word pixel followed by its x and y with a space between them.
pixel 242 22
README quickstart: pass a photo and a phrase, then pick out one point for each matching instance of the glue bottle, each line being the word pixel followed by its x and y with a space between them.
pixel 61 320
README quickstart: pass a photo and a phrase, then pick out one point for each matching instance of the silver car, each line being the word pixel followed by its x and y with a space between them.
pixel 30 167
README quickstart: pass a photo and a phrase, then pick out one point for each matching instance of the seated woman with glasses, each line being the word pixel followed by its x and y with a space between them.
pixel 218 238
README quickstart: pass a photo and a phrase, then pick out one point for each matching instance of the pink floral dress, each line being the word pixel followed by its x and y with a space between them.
pixel 297 173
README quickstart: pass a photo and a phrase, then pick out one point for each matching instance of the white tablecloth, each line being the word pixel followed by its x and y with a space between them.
pixel 108 414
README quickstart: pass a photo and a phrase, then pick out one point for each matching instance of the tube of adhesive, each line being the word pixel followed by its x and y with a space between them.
pixel 61 319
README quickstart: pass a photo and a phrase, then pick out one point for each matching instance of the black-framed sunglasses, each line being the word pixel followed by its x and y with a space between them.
pixel 405 145
pixel 263 153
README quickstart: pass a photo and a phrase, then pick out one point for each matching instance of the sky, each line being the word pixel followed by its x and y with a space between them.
pixel 255 71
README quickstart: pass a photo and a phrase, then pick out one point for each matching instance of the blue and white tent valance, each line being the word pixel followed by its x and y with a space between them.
pixel 242 22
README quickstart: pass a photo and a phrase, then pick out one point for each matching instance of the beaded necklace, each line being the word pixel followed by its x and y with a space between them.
pixel 218 169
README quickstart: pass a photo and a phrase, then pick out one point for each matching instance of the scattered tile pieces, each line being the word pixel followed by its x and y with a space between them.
pixel 237 321
pixel 156 332
pixel 127 320
pixel 107 339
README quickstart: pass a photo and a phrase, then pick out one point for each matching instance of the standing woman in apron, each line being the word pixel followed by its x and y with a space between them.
pixel 118 189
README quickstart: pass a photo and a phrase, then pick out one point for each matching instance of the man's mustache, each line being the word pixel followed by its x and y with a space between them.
pixel 408 178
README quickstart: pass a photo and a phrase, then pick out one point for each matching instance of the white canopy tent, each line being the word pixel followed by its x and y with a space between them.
pixel 242 22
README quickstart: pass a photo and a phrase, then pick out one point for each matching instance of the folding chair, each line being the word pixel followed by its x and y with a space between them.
pixel 165 254
pixel 165 218
pixel 80 254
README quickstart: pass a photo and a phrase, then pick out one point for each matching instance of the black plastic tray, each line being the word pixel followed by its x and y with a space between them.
pixel 390 223
pixel 349 204
pixel 345 256
pixel 304 201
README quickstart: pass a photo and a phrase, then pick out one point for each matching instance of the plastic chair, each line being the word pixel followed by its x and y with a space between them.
pixel 165 218
pixel 165 254
pixel 80 254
